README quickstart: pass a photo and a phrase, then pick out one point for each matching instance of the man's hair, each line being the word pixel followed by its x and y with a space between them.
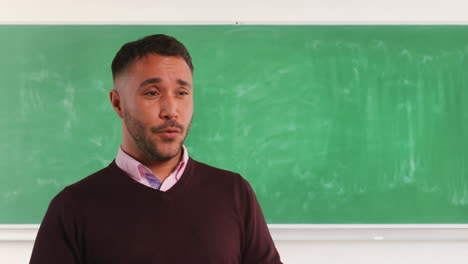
pixel 154 44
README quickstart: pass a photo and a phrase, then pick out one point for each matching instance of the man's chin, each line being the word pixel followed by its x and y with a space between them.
pixel 168 152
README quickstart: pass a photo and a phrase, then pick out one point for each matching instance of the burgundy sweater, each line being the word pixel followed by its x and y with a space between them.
pixel 209 216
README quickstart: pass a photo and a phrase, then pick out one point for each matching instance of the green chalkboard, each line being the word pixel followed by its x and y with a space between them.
pixel 330 124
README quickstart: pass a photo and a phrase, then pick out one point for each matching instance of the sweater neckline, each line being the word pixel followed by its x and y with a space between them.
pixel 134 185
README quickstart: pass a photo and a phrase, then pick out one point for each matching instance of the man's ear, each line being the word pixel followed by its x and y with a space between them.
pixel 116 102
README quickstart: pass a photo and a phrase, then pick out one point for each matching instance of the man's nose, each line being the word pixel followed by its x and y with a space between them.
pixel 168 108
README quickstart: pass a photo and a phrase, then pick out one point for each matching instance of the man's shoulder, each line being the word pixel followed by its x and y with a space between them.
pixel 97 178
pixel 93 183
pixel 205 168
pixel 211 171
pixel 218 175
pixel 81 190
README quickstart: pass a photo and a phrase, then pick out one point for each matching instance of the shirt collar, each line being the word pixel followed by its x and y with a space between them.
pixel 137 170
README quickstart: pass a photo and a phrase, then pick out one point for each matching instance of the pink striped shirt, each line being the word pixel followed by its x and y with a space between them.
pixel 145 176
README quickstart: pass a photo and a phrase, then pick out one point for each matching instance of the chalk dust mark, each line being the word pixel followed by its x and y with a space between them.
pixel 11 195
pixel 246 130
pixel 331 184
pixel 459 190
pixel 97 141
pixel 302 174
pixel 314 45
pixel 426 59
pixel 291 127
pixel 406 53
pixel 430 189
pixel 242 90
pixel 39 76
pixel 68 125
pixel 69 109
pixel 411 146
pixel 216 137
pixel 100 160
pixel 30 93
pixel 99 86
pixel 45 182
pixel 380 44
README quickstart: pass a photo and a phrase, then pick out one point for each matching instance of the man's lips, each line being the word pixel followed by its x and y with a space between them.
pixel 169 127
pixel 171 132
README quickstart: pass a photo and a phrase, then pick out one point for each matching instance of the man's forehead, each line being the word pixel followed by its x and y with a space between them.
pixel 157 60
pixel 153 69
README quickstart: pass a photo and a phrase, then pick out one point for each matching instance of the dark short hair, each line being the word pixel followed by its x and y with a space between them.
pixel 154 44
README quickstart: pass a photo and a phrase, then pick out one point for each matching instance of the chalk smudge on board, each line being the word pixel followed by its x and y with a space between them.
pixel 96 140
pixel 411 146
pixel 44 182
pixel 11 195
pixel 68 107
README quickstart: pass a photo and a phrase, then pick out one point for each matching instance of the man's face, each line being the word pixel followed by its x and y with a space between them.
pixel 157 105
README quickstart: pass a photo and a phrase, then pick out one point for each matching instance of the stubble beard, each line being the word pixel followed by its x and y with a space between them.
pixel 144 143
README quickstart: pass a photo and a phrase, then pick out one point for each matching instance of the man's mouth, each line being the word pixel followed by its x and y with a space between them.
pixel 170 132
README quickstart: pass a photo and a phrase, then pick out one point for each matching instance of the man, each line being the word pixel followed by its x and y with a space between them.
pixel 153 203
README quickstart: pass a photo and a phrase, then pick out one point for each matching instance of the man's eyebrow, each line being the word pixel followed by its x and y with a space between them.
pixel 150 81
pixel 159 80
pixel 184 83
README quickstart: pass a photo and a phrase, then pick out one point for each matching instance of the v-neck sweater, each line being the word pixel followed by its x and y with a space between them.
pixel 209 216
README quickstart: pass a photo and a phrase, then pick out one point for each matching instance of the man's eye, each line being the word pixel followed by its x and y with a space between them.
pixel 152 93
pixel 183 93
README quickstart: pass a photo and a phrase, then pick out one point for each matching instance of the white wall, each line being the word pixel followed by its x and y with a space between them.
pixel 325 252
pixel 252 11
pixel 324 244
pixel 316 250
